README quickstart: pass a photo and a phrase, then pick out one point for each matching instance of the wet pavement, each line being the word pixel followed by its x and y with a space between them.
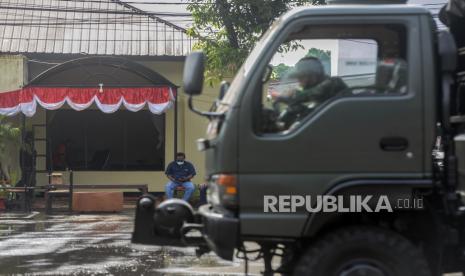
pixel 94 244
pixel 97 244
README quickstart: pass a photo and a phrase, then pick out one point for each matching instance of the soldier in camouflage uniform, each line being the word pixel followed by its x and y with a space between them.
pixel 315 87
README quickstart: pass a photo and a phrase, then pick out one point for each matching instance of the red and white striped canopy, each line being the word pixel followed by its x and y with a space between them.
pixel 107 99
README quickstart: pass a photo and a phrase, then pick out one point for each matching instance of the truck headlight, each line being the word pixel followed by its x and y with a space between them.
pixel 222 190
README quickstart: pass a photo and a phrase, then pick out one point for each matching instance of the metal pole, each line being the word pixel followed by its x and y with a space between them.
pixel 23 166
pixel 23 140
pixel 71 190
pixel 175 124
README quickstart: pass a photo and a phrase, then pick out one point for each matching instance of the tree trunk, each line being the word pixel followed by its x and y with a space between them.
pixel 224 8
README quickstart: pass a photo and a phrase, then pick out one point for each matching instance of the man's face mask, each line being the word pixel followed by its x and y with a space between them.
pixel 179 162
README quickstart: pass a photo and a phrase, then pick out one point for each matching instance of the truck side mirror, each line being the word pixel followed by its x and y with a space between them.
pixel 194 68
pixel 193 73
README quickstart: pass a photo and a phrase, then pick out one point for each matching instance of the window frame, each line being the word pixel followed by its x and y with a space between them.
pixel 299 23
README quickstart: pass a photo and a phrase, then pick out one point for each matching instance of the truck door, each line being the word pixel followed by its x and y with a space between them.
pixel 342 102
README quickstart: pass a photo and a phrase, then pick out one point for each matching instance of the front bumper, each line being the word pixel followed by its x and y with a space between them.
pixel 220 231
pixel 171 222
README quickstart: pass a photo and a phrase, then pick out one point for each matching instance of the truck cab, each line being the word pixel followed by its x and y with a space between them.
pixel 341 100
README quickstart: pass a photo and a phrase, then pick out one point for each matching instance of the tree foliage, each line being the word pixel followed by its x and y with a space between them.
pixel 280 71
pixel 230 28
pixel 319 53
pixel 8 133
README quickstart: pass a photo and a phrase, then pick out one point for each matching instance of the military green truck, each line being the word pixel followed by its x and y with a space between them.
pixel 388 145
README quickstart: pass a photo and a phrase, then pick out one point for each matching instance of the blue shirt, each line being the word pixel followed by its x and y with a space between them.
pixel 180 171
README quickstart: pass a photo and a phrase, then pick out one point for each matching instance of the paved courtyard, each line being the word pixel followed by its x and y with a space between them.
pixel 91 244
pixel 97 244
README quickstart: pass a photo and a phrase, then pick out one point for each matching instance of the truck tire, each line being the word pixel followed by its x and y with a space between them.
pixel 368 251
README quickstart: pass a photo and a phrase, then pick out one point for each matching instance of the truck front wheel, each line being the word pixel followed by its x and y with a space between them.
pixel 354 251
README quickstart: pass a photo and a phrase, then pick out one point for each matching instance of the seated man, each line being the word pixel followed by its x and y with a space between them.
pixel 314 86
pixel 180 173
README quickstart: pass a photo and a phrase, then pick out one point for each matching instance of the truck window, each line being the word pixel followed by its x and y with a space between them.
pixel 310 70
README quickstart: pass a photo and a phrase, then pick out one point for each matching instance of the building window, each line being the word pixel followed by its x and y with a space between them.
pixel 91 140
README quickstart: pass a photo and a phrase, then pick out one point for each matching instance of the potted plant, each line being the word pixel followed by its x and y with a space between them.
pixel 9 142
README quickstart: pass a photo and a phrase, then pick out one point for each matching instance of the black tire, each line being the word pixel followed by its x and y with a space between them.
pixel 367 251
